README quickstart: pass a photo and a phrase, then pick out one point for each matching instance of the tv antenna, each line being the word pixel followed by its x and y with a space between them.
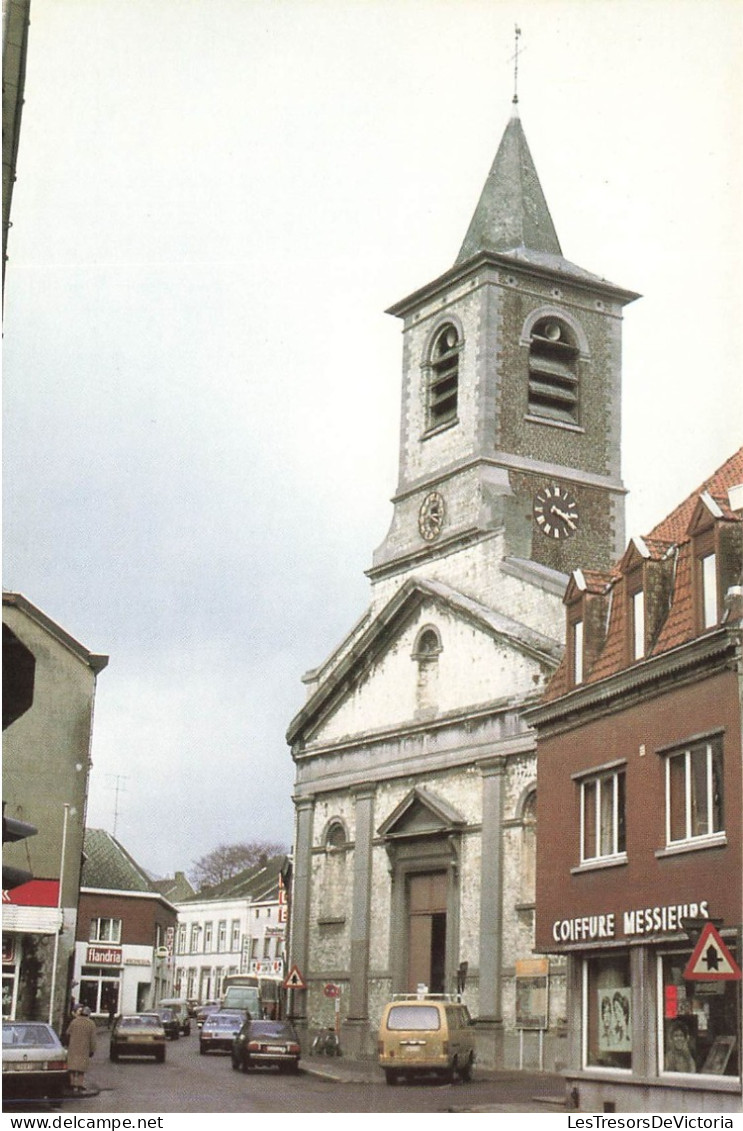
pixel 118 788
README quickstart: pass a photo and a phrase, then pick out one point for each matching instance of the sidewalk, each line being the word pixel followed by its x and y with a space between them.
pixel 535 1091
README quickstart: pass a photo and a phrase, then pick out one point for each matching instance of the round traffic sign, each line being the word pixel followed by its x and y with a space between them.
pixel 331 990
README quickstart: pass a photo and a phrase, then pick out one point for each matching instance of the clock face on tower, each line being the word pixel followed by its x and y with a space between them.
pixel 555 512
pixel 431 516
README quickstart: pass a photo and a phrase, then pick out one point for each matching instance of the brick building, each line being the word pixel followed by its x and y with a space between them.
pixel 639 753
pixel 123 925
pixel 415 787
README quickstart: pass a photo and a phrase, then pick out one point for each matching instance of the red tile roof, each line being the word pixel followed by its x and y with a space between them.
pixel 672 537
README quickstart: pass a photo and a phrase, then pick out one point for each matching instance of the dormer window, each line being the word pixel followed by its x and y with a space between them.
pixel 553 371
pixel 638 624
pixel 576 652
pixel 708 603
pixel 443 380
pixel 635 615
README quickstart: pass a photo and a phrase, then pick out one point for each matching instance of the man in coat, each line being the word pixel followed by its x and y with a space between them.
pixel 80 1047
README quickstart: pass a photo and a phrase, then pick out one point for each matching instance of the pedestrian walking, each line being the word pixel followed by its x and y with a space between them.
pixel 80 1047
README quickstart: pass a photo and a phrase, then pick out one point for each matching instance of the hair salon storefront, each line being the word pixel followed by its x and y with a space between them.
pixel 653 1008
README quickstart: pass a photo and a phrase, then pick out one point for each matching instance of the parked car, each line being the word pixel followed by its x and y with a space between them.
pixel 219 1030
pixel 420 1035
pixel 34 1061
pixel 265 1043
pixel 138 1034
pixel 180 1007
pixel 169 1021
pixel 204 1010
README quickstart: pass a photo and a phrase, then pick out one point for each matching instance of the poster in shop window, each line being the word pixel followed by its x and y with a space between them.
pixel 615 1021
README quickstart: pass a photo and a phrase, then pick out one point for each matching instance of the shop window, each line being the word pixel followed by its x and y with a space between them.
pixel 105 930
pixel 602 809
pixel 607 1012
pixel 99 989
pixel 698 1023
pixel 553 371
pixel 443 378
pixel 694 793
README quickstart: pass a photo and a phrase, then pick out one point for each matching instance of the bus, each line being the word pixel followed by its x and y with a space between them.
pixel 260 994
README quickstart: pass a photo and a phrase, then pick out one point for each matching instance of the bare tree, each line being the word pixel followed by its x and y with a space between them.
pixel 227 860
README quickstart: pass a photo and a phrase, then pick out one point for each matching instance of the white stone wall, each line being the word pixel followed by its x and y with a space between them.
pixel 473 668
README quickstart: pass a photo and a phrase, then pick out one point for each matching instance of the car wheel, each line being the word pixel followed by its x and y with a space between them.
pixel 391 1076
pixel 113 1055
pixel 466 1071
pixel 160 1056
pixel 187 1031
pixel 245 1064
pixel 202 1048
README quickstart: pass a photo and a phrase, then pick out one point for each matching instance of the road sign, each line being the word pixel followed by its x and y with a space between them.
pixel 331 990
pixel 711 961
pixel 294 980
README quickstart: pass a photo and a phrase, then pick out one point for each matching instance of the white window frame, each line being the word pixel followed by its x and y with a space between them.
pixel 599 780
pixel 235 945
pixel 638 624
pixel 708 584
pixel 577 629
pixel 99 935
pixel 712 835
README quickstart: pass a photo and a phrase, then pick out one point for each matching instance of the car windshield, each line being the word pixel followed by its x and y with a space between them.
pixel 166 1014
pixel 29 1036
pixel 144 1020
pixel 413 1017
pixel 271 1029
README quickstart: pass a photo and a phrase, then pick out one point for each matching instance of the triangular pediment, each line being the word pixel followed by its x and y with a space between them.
pixel 421 813
pixel 706 513
pixel 382 633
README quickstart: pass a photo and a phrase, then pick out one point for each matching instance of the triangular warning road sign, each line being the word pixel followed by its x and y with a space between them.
pixel 711 961
pixel 294 980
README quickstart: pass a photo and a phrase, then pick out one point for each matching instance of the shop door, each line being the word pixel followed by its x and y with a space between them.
pixel 427 932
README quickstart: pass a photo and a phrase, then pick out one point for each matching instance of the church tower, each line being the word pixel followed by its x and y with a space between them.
pixel 511 400
pixel 415 782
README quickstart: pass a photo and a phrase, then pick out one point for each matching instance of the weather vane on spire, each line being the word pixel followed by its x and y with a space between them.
pixel 517 36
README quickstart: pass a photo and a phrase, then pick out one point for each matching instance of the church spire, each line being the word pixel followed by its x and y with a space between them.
pixel 512 211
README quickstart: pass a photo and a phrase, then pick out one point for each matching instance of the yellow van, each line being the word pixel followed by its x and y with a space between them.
pixel 419 1035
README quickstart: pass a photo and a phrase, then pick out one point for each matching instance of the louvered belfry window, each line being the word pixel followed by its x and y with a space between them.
pixel 553 372
pixel 444 378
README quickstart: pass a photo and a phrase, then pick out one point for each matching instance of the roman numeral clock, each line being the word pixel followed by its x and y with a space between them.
pixel 555 512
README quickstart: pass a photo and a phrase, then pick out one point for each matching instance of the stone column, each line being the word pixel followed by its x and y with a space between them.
pixel 358 1005
pixel 300 906
pixel 491 893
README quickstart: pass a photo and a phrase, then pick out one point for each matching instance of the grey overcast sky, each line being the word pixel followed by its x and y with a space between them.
pixel 216 202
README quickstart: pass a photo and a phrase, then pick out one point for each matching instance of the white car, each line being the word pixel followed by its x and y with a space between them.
pixel 34 1061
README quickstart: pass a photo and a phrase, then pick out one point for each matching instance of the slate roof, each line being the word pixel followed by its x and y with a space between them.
pixel 512 210
pixel 670 538
pixel 108 866
pixel 261 882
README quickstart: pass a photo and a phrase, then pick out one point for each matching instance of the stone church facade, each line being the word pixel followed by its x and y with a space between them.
pixel 415 787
